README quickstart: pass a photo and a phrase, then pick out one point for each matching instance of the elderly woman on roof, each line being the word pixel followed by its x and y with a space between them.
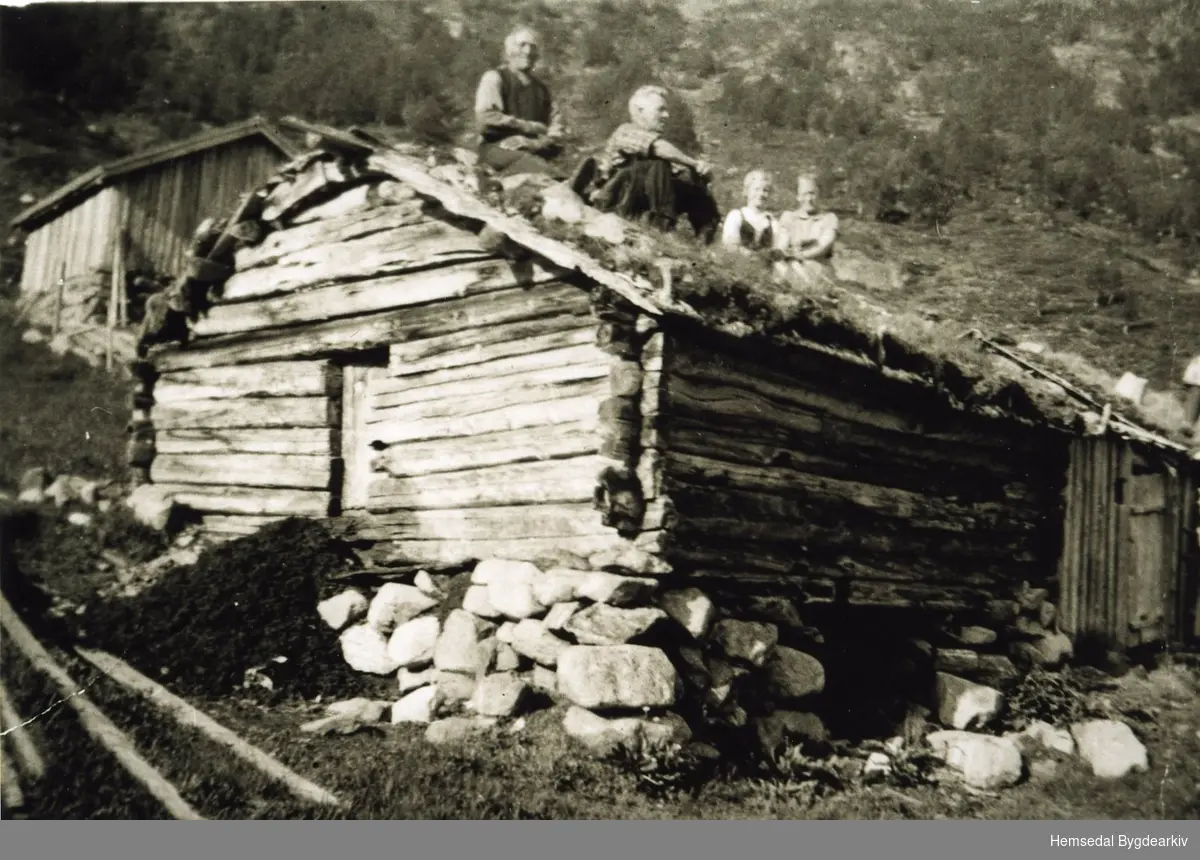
pixel 641 174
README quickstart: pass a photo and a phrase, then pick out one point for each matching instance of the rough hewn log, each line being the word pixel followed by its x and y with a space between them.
pixel 650 468
pixel 331 230
pixel 465 349
pixel 429 243
pixel 269 379
pixel 697 496
pixel 264 412
pixel 699 399
pixel 257 440
pixel 450 552
pixel 459 453
pixel 705 471
pixel 16 732
pixel 249 470
pixel 818 589
pixel 544 482
pixel 624 378
pixel 410 171
pixel 505 522
pixel 93 720
pixel 572 364
pixel 578 403
pixel 390 327
pixel 772 558
pixel 188 715
pixel 355 200
pixel 806 537
pixel 579 380
pixel 810 456
pixel 227 524
pixel 258 501
pixel 796 390
pixel 361 297
pixel 411 388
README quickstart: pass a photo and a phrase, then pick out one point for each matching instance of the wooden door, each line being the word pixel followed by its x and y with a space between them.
pixel 1149 574
pixel 357 382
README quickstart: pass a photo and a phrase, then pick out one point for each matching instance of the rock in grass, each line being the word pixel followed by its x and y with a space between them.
pixel 419 706
pixel 1110 748
pixel 983 761
pixel 454 730
pixel 151 506
pixel 367 710
pixel 342 609
pixel 965 705
pixel 365 650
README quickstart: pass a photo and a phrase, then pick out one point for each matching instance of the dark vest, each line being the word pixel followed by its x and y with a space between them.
pixel 529 102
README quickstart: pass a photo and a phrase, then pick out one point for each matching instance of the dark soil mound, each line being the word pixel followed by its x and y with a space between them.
pixel 244 604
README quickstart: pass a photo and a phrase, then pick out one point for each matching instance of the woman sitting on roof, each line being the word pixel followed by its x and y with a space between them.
pixel 805 238
pixel 752 227
pixel 641 174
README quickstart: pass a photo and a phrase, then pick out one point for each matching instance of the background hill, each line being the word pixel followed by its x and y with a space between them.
pixel 1031 167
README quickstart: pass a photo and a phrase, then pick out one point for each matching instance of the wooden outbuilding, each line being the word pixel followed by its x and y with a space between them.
pixel 395 351
pixel 134 216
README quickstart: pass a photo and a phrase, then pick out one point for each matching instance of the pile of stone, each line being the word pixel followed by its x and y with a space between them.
pixel 627 658
pixel 78 496
pixel 990 761
pixel 1013 636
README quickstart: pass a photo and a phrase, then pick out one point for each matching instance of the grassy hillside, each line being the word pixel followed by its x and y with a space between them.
pixel 1025 166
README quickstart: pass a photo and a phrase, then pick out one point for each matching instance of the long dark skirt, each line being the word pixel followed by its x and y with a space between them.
pixel 648 188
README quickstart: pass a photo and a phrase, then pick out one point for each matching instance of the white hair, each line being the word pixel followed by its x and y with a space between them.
pixel 642 96
pixel 510 40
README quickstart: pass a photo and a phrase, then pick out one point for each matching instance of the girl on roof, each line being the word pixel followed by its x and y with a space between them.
pixel 751 227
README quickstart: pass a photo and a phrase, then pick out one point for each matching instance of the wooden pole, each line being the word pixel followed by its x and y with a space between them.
pixel 189 715
pixel 58 298
pixel 11 796
pixel 26 753
pixel 93 720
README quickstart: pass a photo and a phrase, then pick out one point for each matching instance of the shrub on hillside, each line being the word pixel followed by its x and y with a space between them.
pixel 242 605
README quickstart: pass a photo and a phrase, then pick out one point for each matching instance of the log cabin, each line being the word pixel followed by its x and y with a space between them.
pixel 394 347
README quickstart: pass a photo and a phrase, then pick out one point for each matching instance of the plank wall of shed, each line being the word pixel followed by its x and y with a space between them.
pixel 826 476
pixel 77 247
pixel 479 433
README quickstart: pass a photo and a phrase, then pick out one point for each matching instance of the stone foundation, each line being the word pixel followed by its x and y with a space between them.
pixel 628 655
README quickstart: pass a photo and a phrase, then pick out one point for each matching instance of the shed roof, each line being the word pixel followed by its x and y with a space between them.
pixel 965 364
pixel 93 180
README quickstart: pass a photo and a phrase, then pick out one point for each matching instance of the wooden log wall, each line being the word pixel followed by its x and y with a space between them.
pixel 829 476
pixel 246 445
pixel 492 440
pixel 488 406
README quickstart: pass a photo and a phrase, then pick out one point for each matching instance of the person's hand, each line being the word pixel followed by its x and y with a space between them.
pixel 704 169
pixel 535 129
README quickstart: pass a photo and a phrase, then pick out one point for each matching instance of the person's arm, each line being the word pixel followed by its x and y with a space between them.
pixel 731 232
pixel 824 241
pixel 489 109
pixel 665 149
